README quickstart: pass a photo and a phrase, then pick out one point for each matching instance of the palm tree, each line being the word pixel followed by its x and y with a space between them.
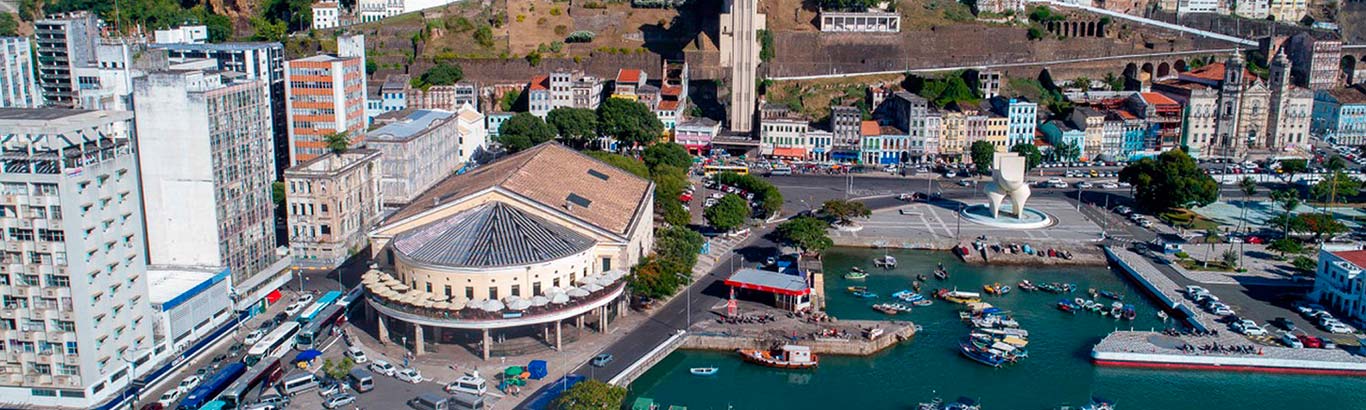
pixel 1211 238
pixel 338 142
pixel 1249 187
pixel 1288 199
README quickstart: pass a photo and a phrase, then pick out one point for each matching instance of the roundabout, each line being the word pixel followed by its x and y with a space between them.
pixel 1029 219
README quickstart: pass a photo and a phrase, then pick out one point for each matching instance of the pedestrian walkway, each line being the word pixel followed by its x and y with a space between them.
pixel 720 247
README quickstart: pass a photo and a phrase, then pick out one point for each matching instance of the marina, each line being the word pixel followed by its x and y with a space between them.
pixel 1059 370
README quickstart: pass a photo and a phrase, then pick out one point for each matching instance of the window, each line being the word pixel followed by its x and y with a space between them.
pixel 469 292
pixel 44 392
pixel 516 290
pixel 606 264
pixel 493 292
pixel 536 288
pixel 448 291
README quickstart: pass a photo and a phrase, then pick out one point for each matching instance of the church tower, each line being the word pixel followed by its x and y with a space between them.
pixel 1229 143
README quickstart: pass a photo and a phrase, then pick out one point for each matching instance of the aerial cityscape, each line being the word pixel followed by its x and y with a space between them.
pixel 673 204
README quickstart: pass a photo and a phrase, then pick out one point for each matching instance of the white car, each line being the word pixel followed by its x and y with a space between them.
pixel 356 354
pixel 1193 290
pixel 1222 310
pixel 1109 185
pixel 189 383
pixel 1339 328
pixel 1084 185
pixel 1250 328
pixel 305 299
pixel 1291 341
pixel 409 375
pixel 295 307
pixel 383 367
pixel 169 398
pixel 254 336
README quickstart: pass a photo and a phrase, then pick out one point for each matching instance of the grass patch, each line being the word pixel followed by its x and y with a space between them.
pixel 1214 266
pixel 1185 218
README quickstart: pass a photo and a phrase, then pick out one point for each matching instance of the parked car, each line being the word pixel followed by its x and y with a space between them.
pixel 1310 341
pixel 602 360
pixel 1193 291
pixel 356 354
pixel 1284 323
pixel 273 399
pixel 409 375
pixel 1222 310
pixel 1339 328
pixel 293 308
pixel 188 383
pixel 1109 185
pixel 339 400
pixel 169 397
pixel 281 318
pixel 236 349
pixel 254 336
pixel 965 182
pixel 1250 328
pixel 153 406
pixel 331 388
pixel 1291 341
pixel 305 298
pixel 383 367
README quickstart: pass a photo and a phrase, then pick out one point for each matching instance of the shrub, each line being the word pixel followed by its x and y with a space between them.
pixel 521 18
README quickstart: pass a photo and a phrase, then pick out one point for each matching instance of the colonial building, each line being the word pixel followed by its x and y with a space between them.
pixel 332 201
pixel 872 21
pixel 1230 111
pixel 696 134
pixel 424 147
pixel 1339 283
pixel 511 249
pixel 1340 115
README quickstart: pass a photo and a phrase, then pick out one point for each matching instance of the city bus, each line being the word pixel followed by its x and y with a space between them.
pixel 318 328
pixel 273 345
pixel 212 386
pixel 710 170
pixel 264 373
pixel 317 307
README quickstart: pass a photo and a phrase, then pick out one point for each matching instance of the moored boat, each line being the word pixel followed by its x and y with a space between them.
pixel 1129 312
pixel 1027 285
pixel 785 357
pixel 864 294
pixel 856 275
pixel 1111 295
pixel 982 356
pixel 885 262
pixel 1067 306
pixel 886 308
pixel 703 371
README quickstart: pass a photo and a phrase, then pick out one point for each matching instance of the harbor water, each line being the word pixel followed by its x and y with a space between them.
pixel 1057 372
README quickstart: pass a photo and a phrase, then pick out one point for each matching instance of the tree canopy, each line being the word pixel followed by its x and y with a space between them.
pixel 806 233
pixel 729 213
pixel 628 121
pixel 443 74
pixel 982 154
pixel 576 126
pixel 338 142
pixel 591 395
pixel 626 163
pixel 1031 153
pixel 669 154
pixel 9 27
pixel 1288 199
pixel 523 131
pixel 767 195
pixel 843 210
pixel 1066 151
pixel 1336 185
pixel 1171 180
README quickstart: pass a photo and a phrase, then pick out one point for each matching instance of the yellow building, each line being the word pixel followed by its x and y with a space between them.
pixel 516 246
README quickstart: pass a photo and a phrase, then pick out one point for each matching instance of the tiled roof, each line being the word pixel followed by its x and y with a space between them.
pixel 539 82
pixel 553 176
pixel 1215 72
pixel 1355 257
pixel 493 234
pixel 1158 98
pixel 668 105
pixel 671 90
pixel 628 75
pixel 870 128
pixel 1349 95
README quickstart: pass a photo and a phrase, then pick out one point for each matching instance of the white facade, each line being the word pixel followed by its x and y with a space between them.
pixel 18 87
pixel 1023 120
pixel 1198 6
pixel 1253 9
pixel 72 226
pixel 190 302
pixel 326 15
pixel 183 35
pixel 373 10
pixel 1339 284
pixel 1290 11
pixel 865 22
pixel 473 137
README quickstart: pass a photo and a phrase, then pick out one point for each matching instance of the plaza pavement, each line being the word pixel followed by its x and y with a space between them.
pixel 936 225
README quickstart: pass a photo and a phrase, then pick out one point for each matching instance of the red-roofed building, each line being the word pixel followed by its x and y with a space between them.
pixel 629 80
pixel 1164 114
pixel 538 99
pixel 1339 283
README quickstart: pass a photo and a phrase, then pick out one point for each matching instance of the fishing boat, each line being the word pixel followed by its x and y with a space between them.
pixel 1021 333
pixel 857 289
pixel 857 269
pixel 1067 306
pixel 908 296
pixel 1027 285
pixel 957 296
pixel 886 308
pixel 1098 403
pixel 901 307
pixel 885 262
pixel 982 356
pixel 1111 295
pixel 855 275
pixel 703 371
pixel 1162 315
pixel 1129 312
pixel 916 285
pixel 864 294
pixel 1116 309
pixel 996 289
pixel 785 357
pixel 921 277
pixel 963 403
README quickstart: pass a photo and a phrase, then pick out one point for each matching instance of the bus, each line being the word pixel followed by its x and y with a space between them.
pixel 215 405
pixel 318 328
pixel 262 374
pixel 710 170
pixel 211 386
pixel 273 345
pixel 323 302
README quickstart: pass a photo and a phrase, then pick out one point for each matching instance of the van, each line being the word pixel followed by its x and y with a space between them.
pixel 361 380
pixel 298 382
pixel 429 401
pixel 466 401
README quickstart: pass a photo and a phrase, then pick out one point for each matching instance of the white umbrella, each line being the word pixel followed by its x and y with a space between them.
pixel 576 292
pixel 616 274
pixel 508 300
pixel 493 306
pixel 539 300
pixel 519 304
pixel 475 304
pixel 458 303
pixel 604 281
pixel 592 287
pixel 553 290
pixel 400 287
pixel 559 298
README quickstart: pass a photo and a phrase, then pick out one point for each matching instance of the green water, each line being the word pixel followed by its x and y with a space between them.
pixel 1057 372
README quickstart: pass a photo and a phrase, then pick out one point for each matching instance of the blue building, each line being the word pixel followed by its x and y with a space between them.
pixel 494 120
pixel 1340 115
pixel 1058 132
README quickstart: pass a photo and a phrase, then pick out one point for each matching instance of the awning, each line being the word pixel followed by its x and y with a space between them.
pixel 274 296
pixel 789 152
pixel 844 155
pixel 769 281
pixel 892 160
pixel 307 355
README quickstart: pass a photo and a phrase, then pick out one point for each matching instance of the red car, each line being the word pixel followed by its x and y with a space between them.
pixel 1255 240
pixel 685 197
pixel 1310 342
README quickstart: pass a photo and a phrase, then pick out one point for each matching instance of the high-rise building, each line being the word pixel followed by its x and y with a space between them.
pixel 77 314
pixel 740 24
pixel 65 42
pixel 18 87
pixel 846 129
pixel 1022 119
pixel 259 61
pixel 107 83
pixel 1315 59
pixel 333 201
pixel 326 95
pixel 204 146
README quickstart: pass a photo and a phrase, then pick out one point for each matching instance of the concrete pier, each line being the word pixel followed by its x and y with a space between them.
pixel 1156 350
pixel 763 337
pixel 1159 286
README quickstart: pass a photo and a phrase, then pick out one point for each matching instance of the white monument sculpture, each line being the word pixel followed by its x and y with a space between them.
pixel 1007 179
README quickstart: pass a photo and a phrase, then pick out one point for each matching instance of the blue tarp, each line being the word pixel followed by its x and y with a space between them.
pixel 307 355
pixel 553 391
pixel 537 368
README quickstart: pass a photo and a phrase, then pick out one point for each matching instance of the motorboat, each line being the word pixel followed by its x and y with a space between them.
pixel 1021 333
pixel 1098 403
pixel 857 269
pixel 923 302
pixel 941 273
pixel 885 262
pixel 703 371
pixel 855 275
pixel 908 296
pixel 886 308
pixel 785 357
pixel 921 277
pixel 1129 312
pixel 1111 295
pixel 996 289
pixel 1027 285
pixel 982 356
pixel 957 296
pixel 1067 306
pixel 857 289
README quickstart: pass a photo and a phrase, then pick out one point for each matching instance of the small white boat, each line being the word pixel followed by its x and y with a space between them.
pixel 703 371
pixel 886 262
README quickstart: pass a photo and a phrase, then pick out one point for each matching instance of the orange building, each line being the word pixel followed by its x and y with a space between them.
pixel 324 94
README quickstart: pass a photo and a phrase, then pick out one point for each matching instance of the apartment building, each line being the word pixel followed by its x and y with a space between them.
pixel 332 202
pixel 1022 119
pixel 18 86
pixel 65 42
pixel 204 144
pixel 326 14
pixel 845 127
pixel 1340 115
pixel 1291 11
pixel 76 315
pixel 325 95
pixel 418 151
pixel 1315 59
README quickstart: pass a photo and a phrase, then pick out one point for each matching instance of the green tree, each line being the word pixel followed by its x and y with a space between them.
pixel 649 279
pixel 277 192
pixel 1304 264
pixel 1336 163
pixel 371 67
pixel 1293 166
pixel 1031 153
pixel 9 27
pixel 339 369
pixel 294 15
pixel 338 142
pixel 29 10
pixel 677 249
pixel 729 213
pixel 670 154
pixel 628 121
pixel 1066 151
pixel 267 30
pixel 1116 83
pixel 443 74
pixel 1288 199
pixel 843 211
pixel 982 154
pixel 806 233
pixel 767 195
pixel 219 27
pixel 509 100
pixel 1230 258
pixel 1337 184
pixel 1169 181
pixel 576 126
pixel 765 45
pixel 591 395
pixel 1249 187
pixel 674 214
pixel 533 58
pixel 1321 224
pixel 1211 238
pixel 628 164
pixel 524 131
pixel 484 36
pixel 1286 245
